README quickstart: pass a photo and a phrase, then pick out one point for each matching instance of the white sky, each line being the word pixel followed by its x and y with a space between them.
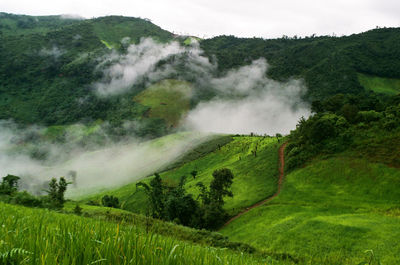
pixel 245 18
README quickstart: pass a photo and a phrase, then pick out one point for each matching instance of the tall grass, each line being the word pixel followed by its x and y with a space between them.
pixel 37 236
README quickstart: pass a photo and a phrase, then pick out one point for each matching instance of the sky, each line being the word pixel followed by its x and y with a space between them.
pixel 251 18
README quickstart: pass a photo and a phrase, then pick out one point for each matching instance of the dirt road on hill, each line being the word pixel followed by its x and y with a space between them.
pixel 281 175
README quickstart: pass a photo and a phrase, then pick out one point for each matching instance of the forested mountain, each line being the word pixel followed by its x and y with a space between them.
pixel 49 65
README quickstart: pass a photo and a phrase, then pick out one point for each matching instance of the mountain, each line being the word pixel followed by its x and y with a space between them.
pixel 50 65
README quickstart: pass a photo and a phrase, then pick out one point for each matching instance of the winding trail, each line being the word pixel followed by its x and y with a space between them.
pixel 281 175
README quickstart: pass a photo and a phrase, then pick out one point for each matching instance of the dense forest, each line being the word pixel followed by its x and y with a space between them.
pixel 49 66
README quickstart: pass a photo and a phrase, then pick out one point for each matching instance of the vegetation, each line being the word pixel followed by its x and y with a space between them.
pixel 174 204
pixel 255 176
pixel 110 201
pixel 388 86
pixel 338 203
pixel 54 200
pixel 36 236
pixel 328 64
pixel 330 212
pixel 348 123
pixel 49 67
pixel 168 100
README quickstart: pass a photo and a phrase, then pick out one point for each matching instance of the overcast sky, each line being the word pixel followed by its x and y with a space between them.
pixel 207 18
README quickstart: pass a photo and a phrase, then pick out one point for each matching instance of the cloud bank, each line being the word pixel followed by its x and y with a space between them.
pixel 106 165
pixel 250 102
pixel 130 68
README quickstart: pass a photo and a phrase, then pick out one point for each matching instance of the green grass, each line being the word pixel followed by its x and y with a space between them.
pixel 36 236
pixel 329 212
pixel 108 45
pixel 388 86
pixel 168 100
pixel 255 177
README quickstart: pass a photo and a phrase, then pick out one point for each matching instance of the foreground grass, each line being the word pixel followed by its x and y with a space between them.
pixel 329 212
pixel 255 176
pixel 36 236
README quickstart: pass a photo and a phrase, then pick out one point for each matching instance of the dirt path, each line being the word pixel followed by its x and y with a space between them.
pixel 281 175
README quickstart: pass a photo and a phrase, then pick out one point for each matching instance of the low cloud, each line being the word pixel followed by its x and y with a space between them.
pixel 130 68
pixel 106 165
pixel 54 52
pixel 248 102
pixel 141 62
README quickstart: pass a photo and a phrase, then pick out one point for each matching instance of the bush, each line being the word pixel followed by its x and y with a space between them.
pixel 26 199
pixel 78 210
pixel 110 201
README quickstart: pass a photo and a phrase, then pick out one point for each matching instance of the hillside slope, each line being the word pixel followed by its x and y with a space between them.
pixel 255 176
pixel 329 212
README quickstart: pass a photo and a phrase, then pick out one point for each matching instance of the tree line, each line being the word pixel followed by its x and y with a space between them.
pixel 173 203
pixel 53 200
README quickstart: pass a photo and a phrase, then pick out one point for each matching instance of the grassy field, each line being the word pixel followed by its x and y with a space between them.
pixel 255 176
pixel 381 85
pixel 36 236
pixel 168 99
pixel 329 212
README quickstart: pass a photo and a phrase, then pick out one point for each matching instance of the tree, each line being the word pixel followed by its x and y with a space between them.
pixel 194 174
pixel 62 188
pixel 53 190
pixel 9 184
pixel 181 207
pixel 110 201
pixel 213 214
pixel 156 194
pixel 350 112
pixel 220 185
pixel 56 192
pixel 78 210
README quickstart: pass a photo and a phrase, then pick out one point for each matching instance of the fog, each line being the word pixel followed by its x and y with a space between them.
pixel 249 102
pixel 128 69
pixel 111 165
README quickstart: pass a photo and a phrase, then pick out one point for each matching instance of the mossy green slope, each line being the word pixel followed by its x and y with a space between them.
pixel 329 212
pixel 255 175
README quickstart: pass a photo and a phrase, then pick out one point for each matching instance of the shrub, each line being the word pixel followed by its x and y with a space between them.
pixel 78 210
pixel 26 199
pixel 110 201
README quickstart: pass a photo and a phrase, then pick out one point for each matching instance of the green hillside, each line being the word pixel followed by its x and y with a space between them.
pixel 47 77
pixel 329 212
pixel 329 65
pixel 388 86
pixel 255 176
pixel 14 25
pixel 339 201
pixel 49 66
pixel 168 100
